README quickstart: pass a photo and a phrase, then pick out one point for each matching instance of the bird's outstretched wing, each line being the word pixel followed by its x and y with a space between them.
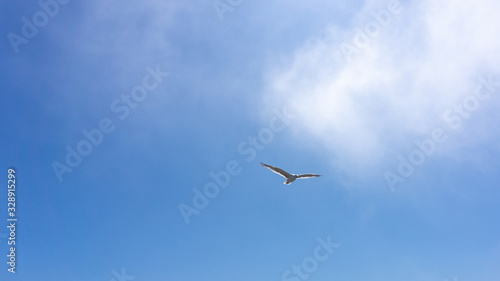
pixel 277 170
pixel 305 176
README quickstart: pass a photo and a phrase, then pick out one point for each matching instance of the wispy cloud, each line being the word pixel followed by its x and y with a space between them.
pixel 397 86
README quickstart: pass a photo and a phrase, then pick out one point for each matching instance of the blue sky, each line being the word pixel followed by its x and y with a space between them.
pixel 365 85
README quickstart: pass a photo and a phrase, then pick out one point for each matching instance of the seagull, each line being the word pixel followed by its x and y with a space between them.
pixel 289 177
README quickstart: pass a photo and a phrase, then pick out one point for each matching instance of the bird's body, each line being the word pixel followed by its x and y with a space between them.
pixel 289 177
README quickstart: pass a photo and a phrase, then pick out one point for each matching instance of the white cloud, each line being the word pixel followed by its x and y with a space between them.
pixel 396 89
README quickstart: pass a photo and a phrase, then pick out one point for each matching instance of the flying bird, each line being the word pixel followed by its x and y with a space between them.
pixel 289 177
